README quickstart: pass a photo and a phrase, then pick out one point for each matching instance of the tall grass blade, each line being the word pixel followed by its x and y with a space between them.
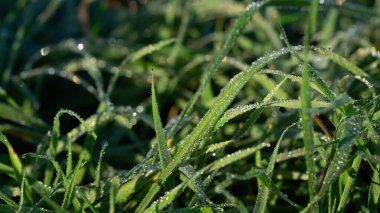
pixel 307 124
pixel 161 140
pixel 209 121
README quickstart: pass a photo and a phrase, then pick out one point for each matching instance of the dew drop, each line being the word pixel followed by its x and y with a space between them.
pixel 80 46
pixel 45 51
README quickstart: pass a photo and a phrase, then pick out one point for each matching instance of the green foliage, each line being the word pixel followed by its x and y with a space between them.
pixel 189 106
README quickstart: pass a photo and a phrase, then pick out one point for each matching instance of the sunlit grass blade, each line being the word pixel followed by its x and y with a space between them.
pixel 262 196
pixel 209 121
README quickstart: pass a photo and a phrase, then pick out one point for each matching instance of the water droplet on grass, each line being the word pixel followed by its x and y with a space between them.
pixel 45 51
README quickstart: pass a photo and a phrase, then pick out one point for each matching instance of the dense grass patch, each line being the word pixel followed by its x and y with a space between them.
pixel 189 106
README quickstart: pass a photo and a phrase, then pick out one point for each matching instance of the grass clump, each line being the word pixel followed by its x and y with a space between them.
pixel 189 106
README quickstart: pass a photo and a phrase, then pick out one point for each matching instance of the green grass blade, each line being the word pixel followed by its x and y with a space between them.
pixel 22 189
pixel 88 203
pixel 209 120
pixel 267 98
pixel 291 104
pixel 341 61
pixel 262 196
pixel 67 199
pixel 15 160
pixel 232 36
pixel 8 201
pixel 267 182
pixel 98 167
pixel 307 124
pixel 374 192
pixel 161 141
pixel 349 183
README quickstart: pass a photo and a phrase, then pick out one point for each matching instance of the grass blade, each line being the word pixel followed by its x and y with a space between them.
pixel 262 196
pixel 70 189
pixel 237 29
pixel 209 121
pixel 161 141
pixel 307 122
pixel 374 192
pixel 349 183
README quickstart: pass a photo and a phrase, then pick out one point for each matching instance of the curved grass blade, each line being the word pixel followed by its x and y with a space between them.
pixel 164 201
pixel 291 104
pixel 341 61
pixel 209 121
pixel 59 73
pixel 136 56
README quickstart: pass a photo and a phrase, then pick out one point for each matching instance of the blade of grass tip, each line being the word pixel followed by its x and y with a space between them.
pixel 69 191
pixel 209 121
pixel 232 36
pixel 262 196
pixel 349 183
pixel 55 138
pixel 307 122
pixel 374 192
pixel 136 56
pixel 98 167
pixel 163 150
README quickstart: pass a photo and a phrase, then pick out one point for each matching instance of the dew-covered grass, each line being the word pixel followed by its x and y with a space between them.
pixel 189 106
